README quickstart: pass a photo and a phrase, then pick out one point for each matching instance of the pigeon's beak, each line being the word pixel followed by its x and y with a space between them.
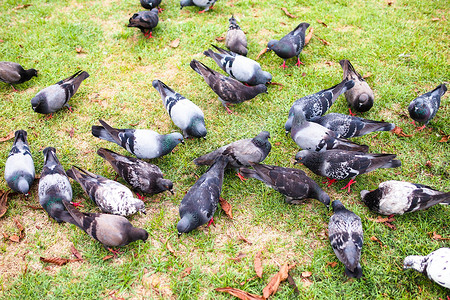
pixel 144 212
pixel 287 132
pixel 179 234
pixel 298 161
pixel 171 191
pixel 182 141
pixel 204 138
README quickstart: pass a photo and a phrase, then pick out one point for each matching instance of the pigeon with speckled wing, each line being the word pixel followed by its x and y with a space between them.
pixel 235 40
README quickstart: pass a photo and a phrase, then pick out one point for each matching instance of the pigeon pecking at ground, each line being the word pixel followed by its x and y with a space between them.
pixel 235 40
pixel 424 108
pixel 54 97
pixel 229 90
pixel 145 20
pixel 13 73
pixel 346 237
pixel 183 112
pixel 239 67
pixel 435 265
pixel 293 183
pixel 143 143
pixel 398 197
pixel 151 4
pixel 206 4
pixel 110 196
pixel 19 166
pixel 200 202
pixel 141 175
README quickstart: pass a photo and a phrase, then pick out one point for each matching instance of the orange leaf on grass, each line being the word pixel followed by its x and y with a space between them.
pixel 186 272
pixel 226 207
pixel 322 22
pixel 332 264
pixel 220 38
pixel 444 139
pixel 399 132
pixel 239 293
pixel 274 283
pixel 375 239
pixel 3 202
pixel 175 43
pixel 309 35
pixel 57 260
pixel 288 13
pixel 107 257
pixel 438 237
pixel 258 264
pixel 8 137
pixel 75 252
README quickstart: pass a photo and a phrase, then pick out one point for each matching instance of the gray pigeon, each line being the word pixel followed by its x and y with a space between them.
pixel 109 230
pixel 341 164
pixel 346 237
pixel 398 197
pixel 183 112
pixel 54 97
pixel 145 20
pixel 206 4
pixel 143 143
pixel 290 45
pixel 141 175
pixel 312 136
pixel 151 4
pixel 435 265
pixel 54 188
pixel 360 97
pixel 317 104
pixel 239 67
pixel 19 166
pixel 235 40
pixel 349 126
pixel 293 183
pixel 200 202
pixel 13 73
pixel 110 196
pixel 424 108
pixel 229 90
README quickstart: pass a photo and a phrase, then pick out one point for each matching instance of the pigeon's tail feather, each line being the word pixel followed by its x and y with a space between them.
pixel 76 80
pixel 345 144
pixel 248 173
pixel 217 57
pixel 395 163
pixel 348 69
pixel 347 85
pixel 223 51
pixel 207 159
pixel 64 216
pixel 107 154
pixel 102 133
pixel 20 135
pixel 301 28
pixel 371 126
pixel 200 68
pixel 76 215
pixel 357 273
pixel 70 77
pixel 341 88
pixel 442 89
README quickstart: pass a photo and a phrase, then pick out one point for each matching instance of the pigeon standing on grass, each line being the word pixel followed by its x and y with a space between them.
pixel 424 108
pixel 143 143
pixel 206 4
pixel 235 40
pixel 54 97
pixel 19 166
pixel 145 20
pixel 346 237
pixel 398 197
pixel 183 112
pixel 13 73
pixel 151 4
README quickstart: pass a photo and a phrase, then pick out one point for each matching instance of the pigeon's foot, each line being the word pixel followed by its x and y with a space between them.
pixel 49 117
pixel 299 62
pixel 246 84
pixel 329 181
pixel 242 178
pixel 211 7
pixel 421 128
pixel 77 204
pixel 350 112
pixel 149 36
pixel 140 197
pixel 228 109
pixel 348 185
pixel 70 108
pixel 414 123
pixel 211 222
pixel 160 10
pixel 284 65
pixel 114 252
pixel 14 89
pixel 202 11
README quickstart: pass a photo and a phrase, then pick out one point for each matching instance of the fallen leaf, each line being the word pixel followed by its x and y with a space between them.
pixel 258 264
pixel 444 139
pixel 169 247
pixel 274 283
pixel 134 124
pixel 389 2
pixel 332 264
pixel 288 13
pixel 261 53
pixel 435 19
pixel 399 132
pixel 367 75
pixel 21 229
pixel 2 41
pixel 277 143
pixel 22 6
pixel 5 236
pixel 226 207
pixel 240 237
pixel 428 164
pixel 14 238
pixel 293 285
pixel 8 137
pixel 75 252
pixel 309 35
pixel 58 260
pixel 306 282
pixel 107 257
pixel 438 237
pixel 375 239
pixel 238 257
pixel 239 293
pixel 175 43
pixel 34 207
pixel 220 38
pixel 3 202
pixel 306 274
pixel 330 63
pixel 78 49
pixel 71 132
pixel 322 22
pixel 303 74
pixel 250 279
pixel 186 272
pixel 326 43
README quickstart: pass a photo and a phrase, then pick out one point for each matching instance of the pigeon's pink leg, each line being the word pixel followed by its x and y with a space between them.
pixel 115 252
pixel 329 181
pixel 14 89
pixel 160 9
pixel 211 222
pixel 149 36
pixel 211 7
pixel 245 83
pixel 350 112
pixel 284 64
pixel 348 185
pixel 421 128
pixel 242 178
pixel 228 110
pixel 202 11
pixel 414 123
pixel 299 62
pixel 76 204
pixel 49 117
pixel 70 108
pixel 140 197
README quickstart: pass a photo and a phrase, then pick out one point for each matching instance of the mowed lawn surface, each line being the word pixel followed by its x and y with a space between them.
pixel 403 48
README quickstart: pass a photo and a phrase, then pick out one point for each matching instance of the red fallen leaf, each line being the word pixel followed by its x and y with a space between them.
pixel 2 41
pixel 8 137
pixel 258 265
pixel 276 83
pixel 3 202
pixel 220 38
pixel 288 13
pixel 303 74
pixel 309 35
pixel 322 22
pixel 444 139
pixel 375 239
pixel 274 283
pixel 226 207
pixel 175 43
pixel 277 143
pixel 239 293
pixel 22 6
pixel 399 132
pixel 250 279
pixel 186 272
pixel 107 257
pixel 14 238
pixel 306 274
pixel 240 237
pixel 332 264
pixel 57 260
pixel 367 75
pixel 134 124
pixel 437 237
pixel 75 252
pixel 238 257
pixel 5 236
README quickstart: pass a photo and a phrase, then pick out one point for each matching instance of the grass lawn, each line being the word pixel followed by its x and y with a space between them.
pixel 403 47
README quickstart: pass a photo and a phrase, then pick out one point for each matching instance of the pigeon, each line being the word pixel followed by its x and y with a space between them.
pixel 141 175
pixel 206 4
pixel 349 126
pixel 229 90
pixel 145 21
pixel 435 265
pixel 293 183
pixel 143 143
pixel 360 97
pixel 342 164
pixel 312 136
pixel 290 45
pixel 183 112
pixel 424 108
pixel 200 202
pixel 54 187
pixel 239 67
pixel 397 197
pixel 110 196
pixel 317 104
pixel 346 237
pixel 151 4
pixel 12 73
pixel 109 230
pixel 54 97
pixel 235 40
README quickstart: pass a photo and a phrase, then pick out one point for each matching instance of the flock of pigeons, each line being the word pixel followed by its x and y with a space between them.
pixel 326 151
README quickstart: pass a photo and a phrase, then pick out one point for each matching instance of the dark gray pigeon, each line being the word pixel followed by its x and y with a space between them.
pixel 19 166
pixel 54 187
pixel 346 237
pixel 290 45
pixel 293 183
pixel 317 104
pixel 183 112
pixel 145 20
pixel 312 136
pixel 143 143
pixel 206 4
pixel 341 164
pixel 229 90
pixel 151 4
pixel 349 126
pixel 235 40
pixel 398 197
pixel 13 73
pixel 239 67
pixel 110 196
pixel 435 265
pixel 360 97
pixel 424 108
pixel 200 202
pixel 54 97
pixel 109 230
pixel 141 175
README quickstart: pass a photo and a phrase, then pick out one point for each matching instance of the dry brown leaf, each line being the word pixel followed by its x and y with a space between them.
pixel 34 207
pixel 186 272
pixel 306 282
pixel 79 49
pixel 75 252
pixel 239 293
pixel 389 2
pixel 21 229
pixel 326 43
pixel 367 75
pixel 309 35
pixel 375 239
pixel 261 53
pixel 107 257
pixel 8 137
pixel 435 19
pixel 332 264
pixel 293 285
pixel 330 63
pixel 428 164
pixel 3 202
pixel 438 237
pixel 169 247
pixel 226 207
pixel 238 257
pixel 220 38
pixel 134 124
pixel 71 132
pixel 240 237
pixel 399 132
pixel 288 13
pixel 274 283
pixel 277 143
pixel 58 260
pixel 22 6
pixel 386 221
pixel 306 274
pixel 258 264
pixel 322 22
pixel 175 43
pixel 14 238
pixel 250 279
pixel 444 139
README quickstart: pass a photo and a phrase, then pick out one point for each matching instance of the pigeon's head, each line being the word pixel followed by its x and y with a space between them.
pixel 20 136
pixel 337 205
pixel 299 115
pixel 184 3
pixel 365 102
pixel 188 223
pixel 140 206
pixel 177 137
pixel 324 198
pixel 261 88
pixel 271 44
pixel 138 234
pixel 38 103
pixel 264 77
pixel 300 156
pixel 165 185
pixel 415 262
pixel 23 185
pixel 197 128
pixel 32 72
pixel 418 111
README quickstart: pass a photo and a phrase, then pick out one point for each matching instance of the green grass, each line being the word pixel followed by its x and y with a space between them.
pixel 405 51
